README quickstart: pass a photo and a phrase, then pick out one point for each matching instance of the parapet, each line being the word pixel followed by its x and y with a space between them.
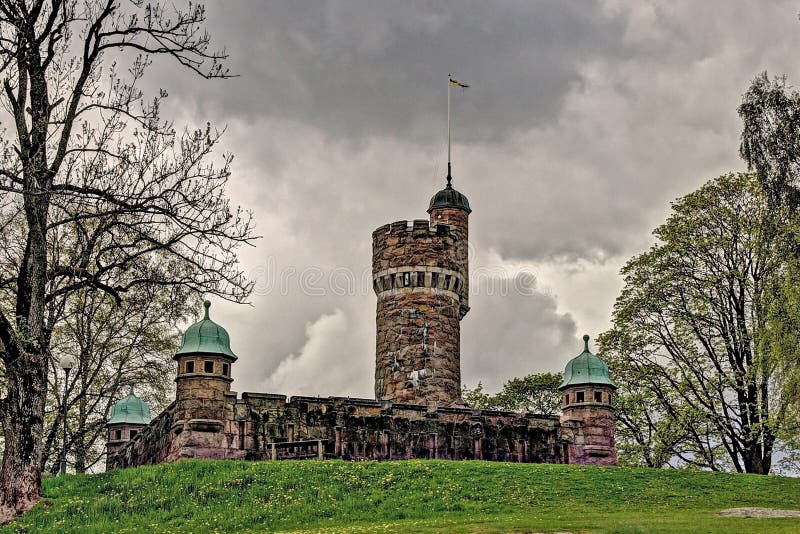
pixel 416 228
pixel 416 243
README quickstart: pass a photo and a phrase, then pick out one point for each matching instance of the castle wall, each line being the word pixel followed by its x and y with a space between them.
pixel 350 429
pixel 420 278
pixel 152 444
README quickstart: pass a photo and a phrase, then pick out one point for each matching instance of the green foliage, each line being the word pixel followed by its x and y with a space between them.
pixel 537 393
pixel 770 144
pixel 780 341
pixel 476 398
pixel 409 496
pixel 688 336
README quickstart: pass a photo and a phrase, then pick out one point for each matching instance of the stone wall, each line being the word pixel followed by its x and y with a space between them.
pixel 350 429
pixel 589 434
pixel 458 222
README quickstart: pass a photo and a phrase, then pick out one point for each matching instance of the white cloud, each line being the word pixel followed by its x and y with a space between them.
pixel 328 364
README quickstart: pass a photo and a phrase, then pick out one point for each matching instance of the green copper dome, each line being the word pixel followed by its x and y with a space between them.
pixel 206 337
pixel 586 368
pixel 131 410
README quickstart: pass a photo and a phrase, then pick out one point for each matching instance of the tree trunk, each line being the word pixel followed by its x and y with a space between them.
pixel 22 418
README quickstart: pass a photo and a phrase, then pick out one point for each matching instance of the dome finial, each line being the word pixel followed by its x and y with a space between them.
pixel 206 305
pixel 130 389
pixel 449 177
pixel 586 342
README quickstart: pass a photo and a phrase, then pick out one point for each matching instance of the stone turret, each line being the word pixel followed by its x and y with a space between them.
pixel 420 274
pixel 587 395
pixel 202 384
pixel 128 417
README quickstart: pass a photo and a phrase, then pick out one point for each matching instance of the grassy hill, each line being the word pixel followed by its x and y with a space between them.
pixel 413 496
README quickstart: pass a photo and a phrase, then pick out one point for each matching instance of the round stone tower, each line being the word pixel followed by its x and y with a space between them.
pixel 587 393
pixel 204 376
pixel 128 417
pixel 420 274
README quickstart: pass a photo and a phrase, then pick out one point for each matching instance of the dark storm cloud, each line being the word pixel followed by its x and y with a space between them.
pixel 358 69
pixel 584 120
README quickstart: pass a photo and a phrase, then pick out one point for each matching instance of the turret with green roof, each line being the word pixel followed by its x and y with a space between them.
pixel 586 368
pixel 127 418
pixel 587 410
pixel 204 375
pixel 131 410
pixel 206 337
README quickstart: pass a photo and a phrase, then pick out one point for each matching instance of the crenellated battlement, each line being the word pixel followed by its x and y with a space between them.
pixel 414 228
pixel 416 244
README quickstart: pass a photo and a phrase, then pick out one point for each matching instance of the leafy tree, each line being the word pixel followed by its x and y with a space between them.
pixel 770 141
pixel 537 393
pixel 476 398
pixel 110 197
pixel 686 343
pixel 770 144
pixel 780 340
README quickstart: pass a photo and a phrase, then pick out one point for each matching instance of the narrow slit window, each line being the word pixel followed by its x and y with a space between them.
pixel 447 278
pixel 225 369
pixel 566 399
pixel 391 281
pixel 208 366
pixel 406 279
pixel 420 279
pixel 190 367
pixel 434 280
pixel 598 396
pixel 579 396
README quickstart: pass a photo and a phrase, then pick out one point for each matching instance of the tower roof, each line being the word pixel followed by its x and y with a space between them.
pixel 586 368
pixel 449 198
pixel 131 410
pixel 206 337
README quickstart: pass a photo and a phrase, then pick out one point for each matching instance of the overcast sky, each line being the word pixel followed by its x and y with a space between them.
pixel 583 122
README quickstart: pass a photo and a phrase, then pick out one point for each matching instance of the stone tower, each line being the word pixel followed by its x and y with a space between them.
pixel 203 381
pixel 128 417
pixel 420 273
pixel 587 393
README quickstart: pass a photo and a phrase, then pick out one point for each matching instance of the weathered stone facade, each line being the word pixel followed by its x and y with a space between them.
pixel 421 279
pixel 588 425
pixel 264 426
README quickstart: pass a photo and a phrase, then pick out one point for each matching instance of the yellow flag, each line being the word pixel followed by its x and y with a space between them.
pixel 457 83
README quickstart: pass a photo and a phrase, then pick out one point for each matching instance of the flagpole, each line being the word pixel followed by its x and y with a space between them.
pixel 449 176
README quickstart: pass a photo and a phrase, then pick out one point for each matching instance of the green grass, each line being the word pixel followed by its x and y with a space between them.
pixel 411 496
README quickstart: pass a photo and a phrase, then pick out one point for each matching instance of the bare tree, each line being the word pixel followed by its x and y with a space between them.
pixel 87 151
pixel 114 347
